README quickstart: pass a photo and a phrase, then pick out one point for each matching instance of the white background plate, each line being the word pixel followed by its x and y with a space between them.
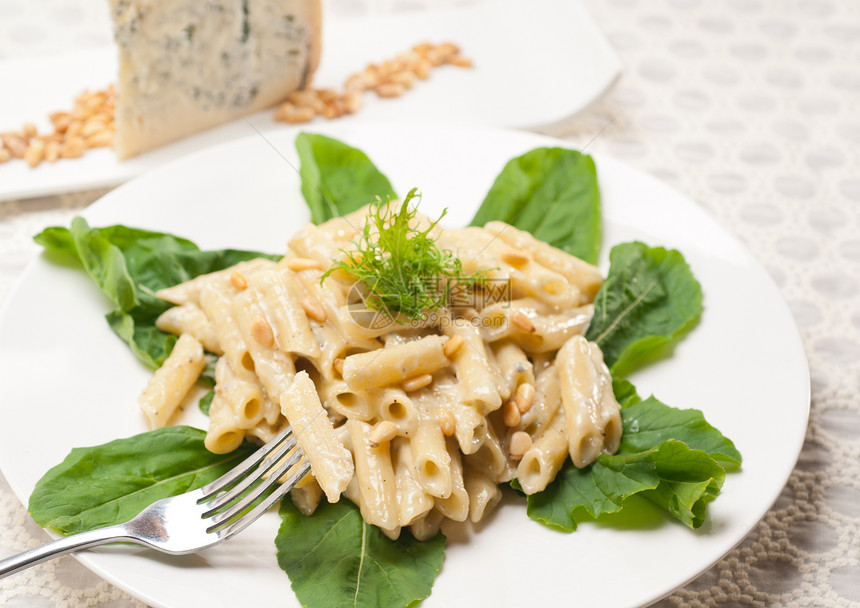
pixel 68 381
pixel 533 66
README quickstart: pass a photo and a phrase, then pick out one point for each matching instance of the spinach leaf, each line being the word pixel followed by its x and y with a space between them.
pixel 650 297
pixel 129 265
pixel 337 178
pixel 552 193
pixel 671 456
pixel 335 559
pixel 650 422
pixel 681 480
pixel 625 392
pixel 111 483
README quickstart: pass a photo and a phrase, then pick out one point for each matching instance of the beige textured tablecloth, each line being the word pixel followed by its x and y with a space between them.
pixel 750 107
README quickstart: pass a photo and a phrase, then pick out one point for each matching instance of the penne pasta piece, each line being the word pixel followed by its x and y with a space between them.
pixel 279 296
pixel 481 385
pixel 542 462
pixel 591 411
pixel 190 319
pixel 331 463
pixel 223 435
pixel 484 494
pixel 189 292
pixel 374 474
pixel 586 277
pixel 455 506
pixel 241 392
pixel 532 325
pixel 394 364
pixel 412 501
pixel 168 386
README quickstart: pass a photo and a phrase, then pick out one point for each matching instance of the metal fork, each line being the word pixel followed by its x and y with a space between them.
pixel 197 519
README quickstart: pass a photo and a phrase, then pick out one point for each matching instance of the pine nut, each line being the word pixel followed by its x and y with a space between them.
pixel 515 258
pixel 510 414
pixel 289 113
pixel 452 346
pixel 52 151
pixel 262 333
pixel 72 148
pixel 521 442
pixel 35 153
pixel 15 144
pixel 383 432
pixel 30 130
pixel 422 69
pixel 337 364
pixel 75 128
pixel 461 62
pixel 101 139
pixel 417 382
pixel 5 155
pixel 525 397
pixel 238 280
pixel 390 89
pixel 352 101
pixel 404 78
pixel 521 320
pixel 307 99
pixel 314 310
pixel 446 421
pixel 299 264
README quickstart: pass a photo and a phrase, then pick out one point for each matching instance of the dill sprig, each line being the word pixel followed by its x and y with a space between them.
pixel 403 271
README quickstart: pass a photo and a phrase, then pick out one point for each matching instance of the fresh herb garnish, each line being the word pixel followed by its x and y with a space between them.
pixel 402 269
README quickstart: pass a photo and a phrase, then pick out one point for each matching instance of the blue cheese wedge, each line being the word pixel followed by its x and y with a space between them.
pixel 189 65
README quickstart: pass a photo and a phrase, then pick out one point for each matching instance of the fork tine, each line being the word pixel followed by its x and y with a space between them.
pixel 249 463
pixel 251 516
pixel 254 494
pixel 252 476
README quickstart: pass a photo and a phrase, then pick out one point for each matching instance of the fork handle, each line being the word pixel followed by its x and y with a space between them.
pixel 67 544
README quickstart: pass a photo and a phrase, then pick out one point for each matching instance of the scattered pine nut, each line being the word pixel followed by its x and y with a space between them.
pixel 446 421
pixel 390 89
pixel 515 258
pixel 452 346
pixel 520 444
pixel 238 280
pixel 314 310
pixel 5 155
pixel 525 397
pixel 73 147
pixel 299 264
pixel 35 153
pixel 383 432
pixel 511 414
pixel 262 332
pixel 337 364
pixel 519 319
pixel 417 382
pixel 52 151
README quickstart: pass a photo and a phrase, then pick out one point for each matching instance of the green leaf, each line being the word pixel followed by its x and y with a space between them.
pixel 206 402
pixel 336 560
pixel 553 194
pixel 648 300
pixel 681 480
pixel 625 392
pixel 651 422
pixel 111 483
pixel 129 265
pixel 337 179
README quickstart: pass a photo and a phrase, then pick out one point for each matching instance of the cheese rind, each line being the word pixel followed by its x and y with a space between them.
pixel 189 65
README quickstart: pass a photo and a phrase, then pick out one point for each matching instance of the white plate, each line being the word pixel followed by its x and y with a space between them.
pixel 68 381
pixel 532 67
